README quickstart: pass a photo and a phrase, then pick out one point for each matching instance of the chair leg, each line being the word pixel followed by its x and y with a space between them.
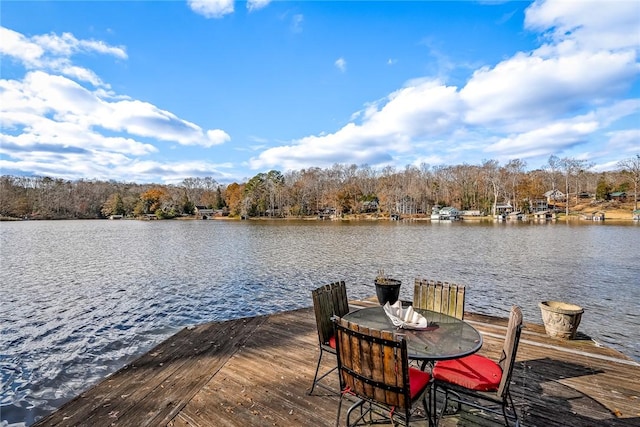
pixel 433 410
pixel 339 409
pixel 315 377
pixel 445 404
pixel 427 407
pixel 358 404
pixel 509 403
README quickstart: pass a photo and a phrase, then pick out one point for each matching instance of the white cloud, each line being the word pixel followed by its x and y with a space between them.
pixel 592 25
pixel 19 47
pixel 217 136
pixel 176 172
pixel 564 97
pixel 106 166
pixel 67 45
pixel 64 100
pixel 257 4
pixel 552 138
pixel 559 98
pixel 409 114
pixel 525 90
pixel 53 52
pixel 296 23
pixel 211 8
pixel 51 124
pixel 626 140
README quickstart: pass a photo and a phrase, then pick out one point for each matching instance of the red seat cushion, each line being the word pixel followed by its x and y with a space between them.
pixel 474 372
pixel 418 380
pixel 332 341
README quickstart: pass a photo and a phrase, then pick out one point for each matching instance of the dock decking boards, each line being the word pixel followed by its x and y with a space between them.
pixel 256 372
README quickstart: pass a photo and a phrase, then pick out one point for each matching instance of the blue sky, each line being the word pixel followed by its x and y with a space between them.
pixel 159 91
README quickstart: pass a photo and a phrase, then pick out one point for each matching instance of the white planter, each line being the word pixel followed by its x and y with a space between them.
pixel 561 319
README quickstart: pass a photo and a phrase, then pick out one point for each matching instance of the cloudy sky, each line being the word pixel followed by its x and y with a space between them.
pixel 158 91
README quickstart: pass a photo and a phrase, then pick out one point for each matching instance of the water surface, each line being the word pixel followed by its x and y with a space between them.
pixel 82 298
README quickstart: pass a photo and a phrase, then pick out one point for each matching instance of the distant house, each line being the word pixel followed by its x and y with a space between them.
pixel 370 205
pixel 554 196
pixel 593 216
pixel 326 213
pixel 503 208
pixel 448 213
pixel 620 196
pixel 472 212
pixel 585 195
pixel 204 212
pixel 539 205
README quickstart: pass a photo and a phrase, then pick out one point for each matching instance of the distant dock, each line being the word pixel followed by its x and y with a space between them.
pixel 256 372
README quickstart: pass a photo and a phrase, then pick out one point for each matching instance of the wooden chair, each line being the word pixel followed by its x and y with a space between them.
pixel 374 366
pixel 328 300
pixel 473 379
pixel 442 297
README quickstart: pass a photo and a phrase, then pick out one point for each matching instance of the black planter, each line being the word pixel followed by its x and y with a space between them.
pixel 387 290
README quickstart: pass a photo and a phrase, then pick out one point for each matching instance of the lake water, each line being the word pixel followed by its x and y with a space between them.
pixel 82 298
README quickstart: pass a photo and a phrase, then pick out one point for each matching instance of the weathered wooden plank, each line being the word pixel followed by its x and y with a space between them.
pixel 134 378
pixel 257 371
pixel 154 385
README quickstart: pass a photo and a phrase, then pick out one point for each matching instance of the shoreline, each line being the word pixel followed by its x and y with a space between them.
pixel 616 214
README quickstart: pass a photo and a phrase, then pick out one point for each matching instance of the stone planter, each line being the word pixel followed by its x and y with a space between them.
pixel 387 290
pixel 561 319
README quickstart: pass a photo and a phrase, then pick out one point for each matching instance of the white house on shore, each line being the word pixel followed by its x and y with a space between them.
pixel 554 196
pixel 204 212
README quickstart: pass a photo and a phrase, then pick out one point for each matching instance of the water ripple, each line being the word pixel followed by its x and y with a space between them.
pixel 83 298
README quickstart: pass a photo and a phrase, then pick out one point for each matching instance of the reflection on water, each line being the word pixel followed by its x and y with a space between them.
pixel 82 298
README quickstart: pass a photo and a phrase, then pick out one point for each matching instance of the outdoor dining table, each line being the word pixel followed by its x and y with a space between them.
pixel 445 337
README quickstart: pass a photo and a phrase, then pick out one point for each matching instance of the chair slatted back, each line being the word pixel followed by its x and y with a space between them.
pixel 509 350
pixel 329 300
pixel 373 364
pixel 441 297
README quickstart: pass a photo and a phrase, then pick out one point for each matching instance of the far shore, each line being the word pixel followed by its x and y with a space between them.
pixel 611 211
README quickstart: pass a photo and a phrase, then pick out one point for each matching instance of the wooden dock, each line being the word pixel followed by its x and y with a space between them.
pixel 256 372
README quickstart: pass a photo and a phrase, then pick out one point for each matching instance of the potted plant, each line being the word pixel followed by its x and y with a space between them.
pixel 561 319
pixel 387 289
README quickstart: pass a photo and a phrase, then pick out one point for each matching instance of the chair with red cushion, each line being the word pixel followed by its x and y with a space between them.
pixel 473 379
pixel 442 297
pixel 328 300
pixel 374 366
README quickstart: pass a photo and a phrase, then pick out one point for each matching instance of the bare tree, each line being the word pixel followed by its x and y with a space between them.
pixel 570 167
pixel 515 170
pixel 553 166
pixel 631 167
pixel 492 176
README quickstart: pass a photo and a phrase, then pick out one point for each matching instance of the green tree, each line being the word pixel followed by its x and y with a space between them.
pixel 187 206
pixel 602 189
pixel 220 203
pixel 255 195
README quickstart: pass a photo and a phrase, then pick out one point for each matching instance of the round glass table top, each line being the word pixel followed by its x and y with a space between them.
pixel 444 338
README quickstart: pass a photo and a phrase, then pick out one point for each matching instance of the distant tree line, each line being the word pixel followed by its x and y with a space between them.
pixel 341 189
